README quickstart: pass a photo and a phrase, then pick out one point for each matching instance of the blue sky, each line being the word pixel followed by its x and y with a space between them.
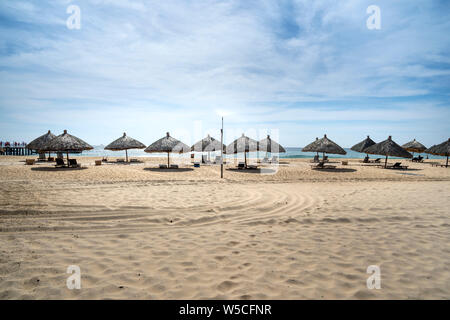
pixel 296 69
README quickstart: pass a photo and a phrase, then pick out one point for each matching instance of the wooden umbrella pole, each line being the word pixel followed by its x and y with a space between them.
pixel 245 158
pixel 126 155
pixel 385 162
pixel 447 162
pixel 67 158
pixel 167 159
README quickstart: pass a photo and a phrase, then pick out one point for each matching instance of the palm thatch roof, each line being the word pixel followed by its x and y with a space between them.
pixel 242 144
pixel 208 144
pixel 324 145
pixel 414 146
pixel 67 143
pixel 124 143
pixel 442 149
pixel 388 148
pixel 360 147
pixel 269 145
pixel 168 144
pixel 40 142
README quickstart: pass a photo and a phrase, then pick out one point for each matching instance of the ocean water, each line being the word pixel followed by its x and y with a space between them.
pixel 291 153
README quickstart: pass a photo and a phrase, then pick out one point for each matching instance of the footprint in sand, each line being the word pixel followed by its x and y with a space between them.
pixel 227 285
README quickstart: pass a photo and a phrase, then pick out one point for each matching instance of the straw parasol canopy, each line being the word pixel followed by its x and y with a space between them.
pixel 414 146
pixel 124 143
pixel 442 149
pixel 67 143
pixel 208 144
pixel 168 144
pixel 39 143
pixel 388 148
pixel 243 144
pixel 324 145
pixel 271 146
pixel 360 147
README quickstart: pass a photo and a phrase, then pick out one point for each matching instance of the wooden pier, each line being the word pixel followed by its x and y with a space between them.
pixel 16 151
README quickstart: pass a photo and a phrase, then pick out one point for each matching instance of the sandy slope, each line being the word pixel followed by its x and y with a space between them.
pixel 137 232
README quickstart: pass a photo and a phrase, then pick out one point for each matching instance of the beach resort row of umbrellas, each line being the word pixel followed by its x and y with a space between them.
pixel 67 143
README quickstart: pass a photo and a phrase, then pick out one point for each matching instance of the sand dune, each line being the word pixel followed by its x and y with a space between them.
pixel 147 234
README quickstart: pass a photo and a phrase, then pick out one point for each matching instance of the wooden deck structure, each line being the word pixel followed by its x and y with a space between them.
pixel 16 151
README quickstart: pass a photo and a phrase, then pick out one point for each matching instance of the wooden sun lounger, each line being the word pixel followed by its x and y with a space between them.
pixel 73 163
pixel 59 162
pixel 241 165
pixel 174 166
pixel 397 165
pixel 321 165
pixel 163 166
pixel 252 166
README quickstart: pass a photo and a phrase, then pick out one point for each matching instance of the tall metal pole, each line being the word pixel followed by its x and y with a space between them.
pixel 221 151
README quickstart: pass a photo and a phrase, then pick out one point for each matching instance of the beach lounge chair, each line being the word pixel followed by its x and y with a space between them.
pixel 241 165
pixel 29 162
pixel 120 160
pixel 196 164
pixel 50 159
pixel 73 163
pixel 98 162
pixel 397 165
pixel 163 166
pixel 377 160
pixel 59 162
pixel 105 159
pixel 252 166
pixel 134 160
pixel 173 166
pixel 321 165
pixel 366 159
pixel 316 159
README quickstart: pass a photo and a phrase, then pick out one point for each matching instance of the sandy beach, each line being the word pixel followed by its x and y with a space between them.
pixel 138 232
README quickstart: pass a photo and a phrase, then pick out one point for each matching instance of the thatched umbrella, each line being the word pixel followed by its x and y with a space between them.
pixel 243 144
pixel 269 145
pixel 67 143
pixel 39 143
pixel 169 145
pixel 208 144
pixel 442 149
pixel 388 148
pixel 124 143
pixel 324 145
pixel 360 147
pixel 414 146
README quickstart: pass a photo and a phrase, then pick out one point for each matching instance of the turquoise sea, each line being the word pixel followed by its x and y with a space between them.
pixel 291 153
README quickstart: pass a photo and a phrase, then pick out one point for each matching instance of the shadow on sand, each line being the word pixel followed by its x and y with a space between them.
pixel 336 170
pixel 169 170
pixel 54 169
pixel 258 171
